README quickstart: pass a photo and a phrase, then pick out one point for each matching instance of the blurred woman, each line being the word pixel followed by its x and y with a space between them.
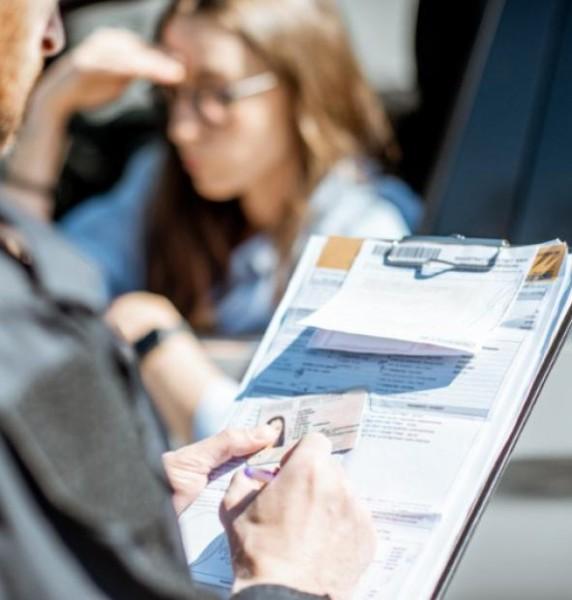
pixel 272 134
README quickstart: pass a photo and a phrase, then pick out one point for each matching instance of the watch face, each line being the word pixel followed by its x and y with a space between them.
pixel 147 342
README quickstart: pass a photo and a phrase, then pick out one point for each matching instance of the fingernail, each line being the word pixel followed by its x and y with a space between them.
pixel 261 475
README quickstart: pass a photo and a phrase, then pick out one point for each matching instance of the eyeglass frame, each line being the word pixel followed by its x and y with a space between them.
pixel 228 93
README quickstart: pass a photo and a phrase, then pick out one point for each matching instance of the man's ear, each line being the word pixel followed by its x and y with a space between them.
pixel 54 38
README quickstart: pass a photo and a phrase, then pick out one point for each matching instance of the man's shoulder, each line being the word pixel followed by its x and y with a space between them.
pixel 76 419
pixel 36 261
pixel 42 283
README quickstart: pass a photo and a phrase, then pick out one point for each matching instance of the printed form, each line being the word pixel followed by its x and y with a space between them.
pixel 436 305
pixel 435 424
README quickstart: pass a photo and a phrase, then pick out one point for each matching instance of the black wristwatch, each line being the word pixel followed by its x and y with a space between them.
pixel 155 337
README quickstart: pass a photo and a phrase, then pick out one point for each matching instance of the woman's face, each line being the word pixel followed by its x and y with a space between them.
pixel 254 139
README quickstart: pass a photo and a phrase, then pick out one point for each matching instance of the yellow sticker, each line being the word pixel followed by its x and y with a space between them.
pixel 547 263
pixel 339 253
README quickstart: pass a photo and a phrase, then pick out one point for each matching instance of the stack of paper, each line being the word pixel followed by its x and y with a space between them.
pixel 389 310
pixel 434 428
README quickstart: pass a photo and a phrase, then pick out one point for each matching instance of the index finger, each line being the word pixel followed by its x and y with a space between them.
pixel 127 55
pixel 157 66
pixel 311 449
pixel 240 493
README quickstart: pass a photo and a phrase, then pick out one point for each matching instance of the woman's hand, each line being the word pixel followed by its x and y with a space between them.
pixel 178 372
pixel 99 70
pixel 136 314
pixel 188 468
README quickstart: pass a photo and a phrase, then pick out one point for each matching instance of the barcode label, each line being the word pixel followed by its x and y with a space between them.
pixel 416 253
pixel 380 250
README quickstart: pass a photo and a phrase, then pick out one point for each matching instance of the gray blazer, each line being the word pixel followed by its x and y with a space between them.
pixel 85 509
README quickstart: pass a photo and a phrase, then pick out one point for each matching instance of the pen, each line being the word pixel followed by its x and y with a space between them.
pixel 262 475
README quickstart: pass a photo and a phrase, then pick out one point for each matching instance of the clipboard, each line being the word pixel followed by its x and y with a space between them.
pixel 503 459
pixel 416 260
pixel 345 251
pixel 324 260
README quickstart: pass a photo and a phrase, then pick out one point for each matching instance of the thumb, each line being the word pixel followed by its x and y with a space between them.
pixel 233 443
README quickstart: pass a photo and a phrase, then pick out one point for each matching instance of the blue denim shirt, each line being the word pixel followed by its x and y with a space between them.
pixel 109 229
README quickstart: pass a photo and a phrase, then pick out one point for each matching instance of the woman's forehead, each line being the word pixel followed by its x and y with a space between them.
pixel 204 46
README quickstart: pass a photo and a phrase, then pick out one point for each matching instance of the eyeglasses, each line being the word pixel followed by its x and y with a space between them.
pixel 212 103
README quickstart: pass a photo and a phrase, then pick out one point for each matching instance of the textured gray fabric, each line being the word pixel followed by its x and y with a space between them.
pixel 68 409
pixel 34 563
pixel 262 592
pixel 85 508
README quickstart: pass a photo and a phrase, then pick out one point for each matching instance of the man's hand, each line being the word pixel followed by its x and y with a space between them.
pixel 305 529
pixel 188 468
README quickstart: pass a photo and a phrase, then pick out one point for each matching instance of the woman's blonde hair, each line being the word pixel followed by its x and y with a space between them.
pixel 335 114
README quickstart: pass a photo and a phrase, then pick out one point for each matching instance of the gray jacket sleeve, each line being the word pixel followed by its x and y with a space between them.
pixel 276 592
pixel 85 507
pixel 35 564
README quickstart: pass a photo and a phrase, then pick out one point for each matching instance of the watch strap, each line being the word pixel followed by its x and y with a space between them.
pixel 156 337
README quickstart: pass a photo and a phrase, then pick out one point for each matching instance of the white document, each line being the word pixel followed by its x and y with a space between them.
pixel 432 430
pixel 413 464
pixel 450 308
pixel 346 342
pixel 204 539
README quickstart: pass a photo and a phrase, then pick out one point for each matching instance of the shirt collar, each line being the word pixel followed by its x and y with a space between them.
pixel 257 256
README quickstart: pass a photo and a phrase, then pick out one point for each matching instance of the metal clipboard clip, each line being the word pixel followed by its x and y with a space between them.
pixel 420 251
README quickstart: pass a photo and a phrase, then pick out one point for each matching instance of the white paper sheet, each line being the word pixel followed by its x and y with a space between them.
pixel 367 344
pixel 454 309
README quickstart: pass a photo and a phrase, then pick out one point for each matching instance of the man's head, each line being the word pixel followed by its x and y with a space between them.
pixel 30 30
